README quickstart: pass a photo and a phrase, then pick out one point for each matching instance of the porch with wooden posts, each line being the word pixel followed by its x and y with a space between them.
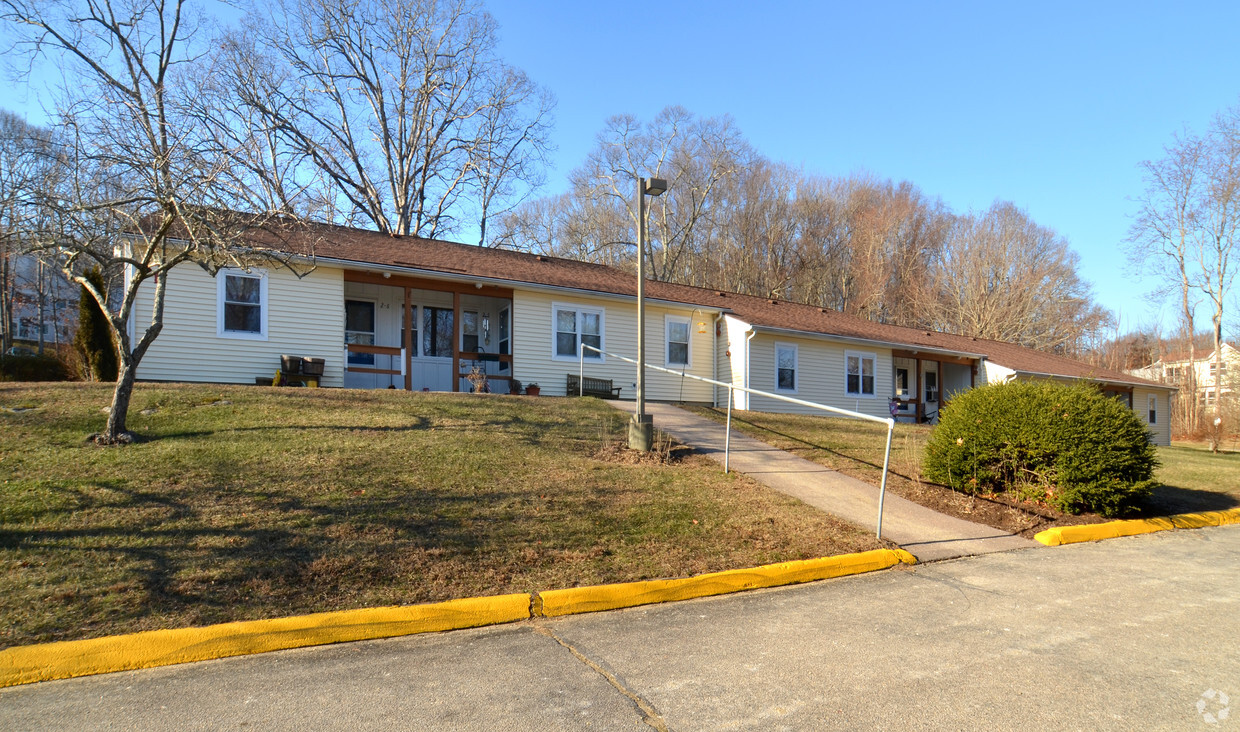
pixel 463 326
pixel 922 385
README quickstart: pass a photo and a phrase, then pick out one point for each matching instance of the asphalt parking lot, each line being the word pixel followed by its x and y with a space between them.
pixel 1134 633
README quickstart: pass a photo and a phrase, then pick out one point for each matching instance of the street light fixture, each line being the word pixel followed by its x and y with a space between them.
pixel 641 429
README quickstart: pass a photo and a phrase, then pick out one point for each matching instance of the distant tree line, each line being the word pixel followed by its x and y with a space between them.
pixel 734 220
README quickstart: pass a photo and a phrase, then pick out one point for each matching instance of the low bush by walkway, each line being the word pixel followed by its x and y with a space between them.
pixel 1067 446
pixel 251 502
pixel 1190 478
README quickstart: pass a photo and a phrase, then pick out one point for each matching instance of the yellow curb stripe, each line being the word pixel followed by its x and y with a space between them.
pixel 630 594
pixel 1095 532
pixel 1207 518
pixel 67 659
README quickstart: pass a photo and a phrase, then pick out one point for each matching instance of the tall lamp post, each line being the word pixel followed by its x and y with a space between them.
pixel 641 429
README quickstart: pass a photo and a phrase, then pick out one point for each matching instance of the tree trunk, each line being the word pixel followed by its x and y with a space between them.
pixel 6 304
pixel 1216 378
pixel 42 295
pixel 114 433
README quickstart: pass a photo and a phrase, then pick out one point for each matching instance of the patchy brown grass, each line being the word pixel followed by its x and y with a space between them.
pixel 250 502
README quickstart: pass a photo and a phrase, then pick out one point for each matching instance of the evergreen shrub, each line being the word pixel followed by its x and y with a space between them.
pixel 32 368
pixel 1066 445
pixel 94 335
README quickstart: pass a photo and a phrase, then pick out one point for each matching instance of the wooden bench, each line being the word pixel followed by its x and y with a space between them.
pixel 590 386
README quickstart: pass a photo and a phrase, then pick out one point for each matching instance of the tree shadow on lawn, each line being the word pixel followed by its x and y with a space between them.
pixel 421 423
pixel 1168 500
pixel 417 424
pixel 823 448
pixel 160 562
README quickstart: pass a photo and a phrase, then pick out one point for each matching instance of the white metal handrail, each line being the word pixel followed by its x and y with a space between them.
pixel 727 440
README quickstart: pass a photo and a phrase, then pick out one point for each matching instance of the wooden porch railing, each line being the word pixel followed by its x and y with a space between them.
pixel 376 350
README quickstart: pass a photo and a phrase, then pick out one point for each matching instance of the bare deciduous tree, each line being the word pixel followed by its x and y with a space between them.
pixel 401 105
pixel 147 189
pixel 876 249
pixel 1002 276
pixel 27 163
pixel 1186 227
pixel 694 155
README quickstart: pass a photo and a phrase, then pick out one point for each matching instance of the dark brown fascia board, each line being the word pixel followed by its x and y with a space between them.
pixel 506 283
pixel 1141 383
pixel 862 341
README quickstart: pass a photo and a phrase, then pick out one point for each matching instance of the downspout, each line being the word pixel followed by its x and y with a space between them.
pixel 714 368
pixel 749 337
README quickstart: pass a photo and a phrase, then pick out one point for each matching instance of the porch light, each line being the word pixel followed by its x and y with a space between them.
pixel 641 429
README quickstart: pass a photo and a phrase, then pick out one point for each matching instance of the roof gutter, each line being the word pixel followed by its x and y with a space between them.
pixel 1142 384
pixel 473 279
pixel 868 342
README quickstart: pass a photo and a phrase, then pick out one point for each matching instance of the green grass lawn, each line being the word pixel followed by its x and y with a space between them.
pixel 1196 480
pixel 251 502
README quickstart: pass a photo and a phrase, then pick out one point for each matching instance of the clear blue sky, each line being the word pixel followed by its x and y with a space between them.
pixel 1049 105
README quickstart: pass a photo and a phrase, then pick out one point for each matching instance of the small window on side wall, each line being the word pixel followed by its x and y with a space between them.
pixel 1153 409
pixel 859 373
pixel 785 367
pixel 574 326
pixel 677 330
pixel 242 304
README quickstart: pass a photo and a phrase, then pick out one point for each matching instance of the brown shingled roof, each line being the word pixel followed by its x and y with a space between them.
pixel 368 247
pixel 808 318
pixel 433 255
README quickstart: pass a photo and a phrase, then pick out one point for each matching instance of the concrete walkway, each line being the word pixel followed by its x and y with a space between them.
pixel 926 534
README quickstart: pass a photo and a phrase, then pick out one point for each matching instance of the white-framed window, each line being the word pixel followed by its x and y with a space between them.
pixel 572 325
pixel 1153 404
pixel 676 330
pixel 28 329
pixel 242 299
pixel 859 373
pixel 785 367
pixel 359 329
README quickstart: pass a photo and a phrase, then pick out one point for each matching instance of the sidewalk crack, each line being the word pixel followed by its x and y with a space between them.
pixel 649 714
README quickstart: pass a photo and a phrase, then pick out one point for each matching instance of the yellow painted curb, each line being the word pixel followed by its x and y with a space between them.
pixel 630 594
pixel 67 659
pixel 1095 532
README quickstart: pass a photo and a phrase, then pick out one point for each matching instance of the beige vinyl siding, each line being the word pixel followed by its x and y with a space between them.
pixel 820 376
pixel 305 317
pixel 534 340
pixel 993 373
pixel 1140 404
pixel 732 367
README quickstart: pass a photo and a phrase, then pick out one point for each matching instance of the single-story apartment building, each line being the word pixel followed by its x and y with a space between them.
pixel 418 314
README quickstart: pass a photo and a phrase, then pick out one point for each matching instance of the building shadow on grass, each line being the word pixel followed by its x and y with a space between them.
pixel 1168 500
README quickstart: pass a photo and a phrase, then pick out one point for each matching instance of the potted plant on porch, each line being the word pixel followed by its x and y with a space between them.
pixel 533 389
pixel 514 386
